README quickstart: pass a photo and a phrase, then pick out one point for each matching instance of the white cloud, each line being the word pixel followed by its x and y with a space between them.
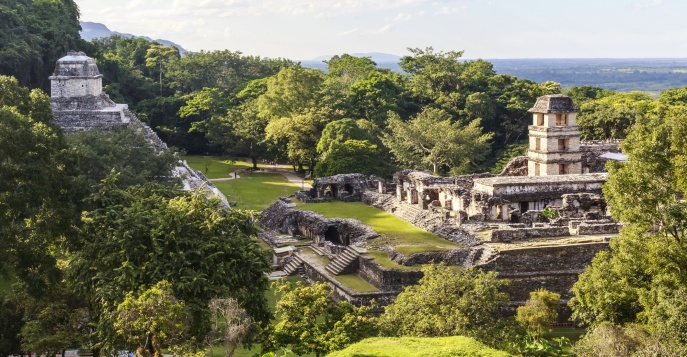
pixel 403 17
pixel 382 29
pixel 347 32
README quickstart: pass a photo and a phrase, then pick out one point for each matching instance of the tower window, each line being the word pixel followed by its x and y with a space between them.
pixel 561 119
pixel 537 143
pixel 540 119
pixel 563 169
pixel 536 169
pixel 562 144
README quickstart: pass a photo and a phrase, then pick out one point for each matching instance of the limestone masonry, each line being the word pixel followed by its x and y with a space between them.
pixel 538 223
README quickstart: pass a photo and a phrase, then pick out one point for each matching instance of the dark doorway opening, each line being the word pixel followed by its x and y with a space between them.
pixel 524 206
pixel 331 191
pixel 332 235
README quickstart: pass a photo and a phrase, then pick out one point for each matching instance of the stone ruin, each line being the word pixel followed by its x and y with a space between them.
pixel 503 221
pixel 344 187
pixel 79 104
pixel 283 217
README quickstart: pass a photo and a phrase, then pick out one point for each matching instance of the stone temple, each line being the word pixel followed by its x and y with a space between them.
pixel 501 222
pixel 79 104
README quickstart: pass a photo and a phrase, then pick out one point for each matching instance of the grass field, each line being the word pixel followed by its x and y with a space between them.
pixel 403 236
pixel 252 191
pixel 216 167
pixel 356 283
pixel 457 346
pixel 257 191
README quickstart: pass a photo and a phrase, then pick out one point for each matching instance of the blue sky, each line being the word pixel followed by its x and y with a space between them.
pixel 304 29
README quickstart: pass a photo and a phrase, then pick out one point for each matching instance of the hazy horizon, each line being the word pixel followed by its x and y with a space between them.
pixel 494 29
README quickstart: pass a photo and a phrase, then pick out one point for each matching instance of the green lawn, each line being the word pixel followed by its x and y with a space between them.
pixel 356 283
pixel 456 346
pixel 216 167
pixel 403 236
pixel 252 191
pixel 257 191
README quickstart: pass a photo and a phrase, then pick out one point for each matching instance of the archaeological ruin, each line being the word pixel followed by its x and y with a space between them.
pixel 79 104
pixel 539 223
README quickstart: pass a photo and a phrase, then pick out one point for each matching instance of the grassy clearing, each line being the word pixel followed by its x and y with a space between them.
pixel 216 167
pixel 356 283
pixel 394 231
pixel 257 191
pixel 457 346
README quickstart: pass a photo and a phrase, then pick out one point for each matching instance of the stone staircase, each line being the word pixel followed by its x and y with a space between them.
pixel 294 266
pixel 343 261
pixel 480 256
pixel 321 251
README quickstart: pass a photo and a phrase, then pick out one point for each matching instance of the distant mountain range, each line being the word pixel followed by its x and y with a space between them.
pixel 91 30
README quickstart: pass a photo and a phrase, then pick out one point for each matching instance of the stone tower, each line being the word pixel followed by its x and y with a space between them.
pixel 77 97
pixel 554 137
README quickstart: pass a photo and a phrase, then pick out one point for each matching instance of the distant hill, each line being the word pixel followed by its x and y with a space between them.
pixel 91 30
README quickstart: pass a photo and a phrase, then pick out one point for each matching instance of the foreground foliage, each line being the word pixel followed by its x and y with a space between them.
pixel 310 322
pixel 642 280
pixel 446 303
pixel 139 236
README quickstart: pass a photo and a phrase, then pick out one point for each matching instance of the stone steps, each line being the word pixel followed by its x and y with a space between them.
pixel 343 261
pixel 321 251
pixel 294 266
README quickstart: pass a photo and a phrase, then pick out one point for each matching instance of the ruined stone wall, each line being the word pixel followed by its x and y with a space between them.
pixel 591 150
pixel 514 235
pixel 603 228
pixel 522 284
pixel 342 292
pixel 284 218
pixel 85 120
pixel 392 280
pixel 545 259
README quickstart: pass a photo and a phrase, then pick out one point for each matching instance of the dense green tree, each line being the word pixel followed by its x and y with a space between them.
pixel 34 34
pixel 133 238
pixel 641 280
pixel 34 196
pixel 611 116
pixel 124 150
pixel 351 156
pixel 449 303
pixel 539 312
pixel 337 132
pixel 674 96
pixel 374 95
pixel 152 320
pixel 433 141
pixel 435 76
pixel 582 94
pixel 310 322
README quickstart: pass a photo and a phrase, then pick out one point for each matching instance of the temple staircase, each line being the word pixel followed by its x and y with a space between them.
pixel 294 266
pixel 343 261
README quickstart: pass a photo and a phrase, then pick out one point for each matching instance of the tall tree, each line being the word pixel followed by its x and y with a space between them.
pixel 433 141
pixel 134 238
pixel 642 280
pixel 310 322
pixel 448 303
